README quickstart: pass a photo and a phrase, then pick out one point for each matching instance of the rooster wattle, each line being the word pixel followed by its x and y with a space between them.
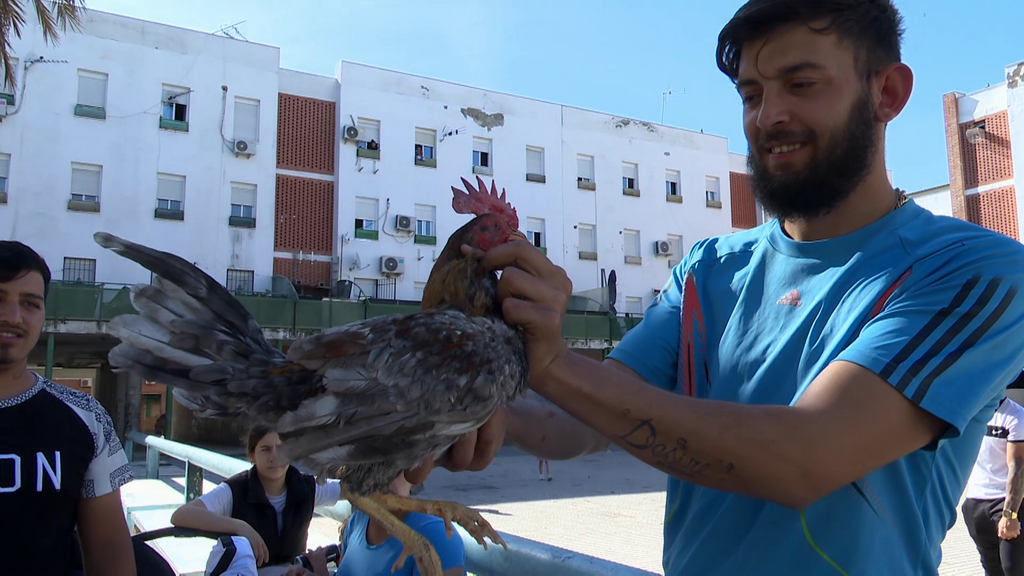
pixel 360 402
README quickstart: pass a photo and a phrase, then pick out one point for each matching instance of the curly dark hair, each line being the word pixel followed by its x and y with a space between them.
pixel 874 28
pixel 17 259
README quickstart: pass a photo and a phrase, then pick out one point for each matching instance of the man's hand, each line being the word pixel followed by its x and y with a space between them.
pixel 1009 529
pixel 534 294
pixel 474 451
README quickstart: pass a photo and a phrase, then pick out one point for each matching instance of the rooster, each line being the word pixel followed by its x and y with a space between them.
pixel 360 402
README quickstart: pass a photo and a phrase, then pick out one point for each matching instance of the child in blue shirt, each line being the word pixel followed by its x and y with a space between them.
pixel 367 550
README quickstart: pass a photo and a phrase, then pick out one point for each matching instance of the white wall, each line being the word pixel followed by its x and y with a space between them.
pixel 44 138
pixel 612 141
pixel 403 102
pixel 935 200
pixel 982 103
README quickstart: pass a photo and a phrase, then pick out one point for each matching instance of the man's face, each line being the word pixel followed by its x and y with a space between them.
pixel 809 119
pixel 22 311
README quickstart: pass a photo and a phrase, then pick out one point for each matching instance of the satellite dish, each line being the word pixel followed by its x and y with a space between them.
pixel 357 262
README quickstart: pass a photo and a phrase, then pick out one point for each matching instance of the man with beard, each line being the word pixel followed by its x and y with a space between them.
pixel 816 388
pixel 61 464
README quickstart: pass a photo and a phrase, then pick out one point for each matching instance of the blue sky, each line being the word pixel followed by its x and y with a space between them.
pixel 614 56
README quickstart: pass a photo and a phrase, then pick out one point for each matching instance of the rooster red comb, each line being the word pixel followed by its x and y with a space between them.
pixel 478 201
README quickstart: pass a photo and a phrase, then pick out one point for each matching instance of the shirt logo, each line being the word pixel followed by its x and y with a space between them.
pixel 791 299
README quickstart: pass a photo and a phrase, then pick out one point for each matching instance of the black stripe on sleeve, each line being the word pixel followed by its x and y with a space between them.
pixel 928 328
pixel 950 334
pixel 969 342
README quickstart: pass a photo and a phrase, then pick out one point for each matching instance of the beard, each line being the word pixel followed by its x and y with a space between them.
pixel 838 166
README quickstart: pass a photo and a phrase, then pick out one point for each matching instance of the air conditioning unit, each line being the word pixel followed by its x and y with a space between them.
pixel 392 265
pixel 404 223
pixel 354 133
pixel 663 248
pixel 976 133
pixel 244 148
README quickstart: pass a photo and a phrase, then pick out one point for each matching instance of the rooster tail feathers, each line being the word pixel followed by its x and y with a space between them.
pixel 193 335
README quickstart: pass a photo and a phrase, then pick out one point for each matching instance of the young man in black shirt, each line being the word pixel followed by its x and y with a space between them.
pixel 61 463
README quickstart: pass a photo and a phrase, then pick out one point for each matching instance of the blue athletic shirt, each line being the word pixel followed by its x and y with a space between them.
pixel 929 303
pixel 361 559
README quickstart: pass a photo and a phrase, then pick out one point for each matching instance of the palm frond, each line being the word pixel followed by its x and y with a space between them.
pixel 55 17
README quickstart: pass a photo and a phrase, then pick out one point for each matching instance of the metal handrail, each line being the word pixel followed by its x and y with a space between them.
pixel 524 556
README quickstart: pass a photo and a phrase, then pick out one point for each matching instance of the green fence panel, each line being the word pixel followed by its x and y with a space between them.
pixel 270 312
pixel 312 315
pixel 115 302
pixel 74 302
pixel 345 311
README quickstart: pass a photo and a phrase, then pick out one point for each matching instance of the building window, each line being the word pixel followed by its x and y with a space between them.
pixel 417 290
pixel 426 233
pixel 631 246
pixel 587 242
pixel 675 243
pixel 243 205
pixel 424 148
pixel 535 164
pixel 247 119
pixel 714 195
pixel 80 270
pixel 482 161
pixel 634 305
pixel 366 218
pixel 240 281
pixel 85 187
pixel 630 177
pixel 170 197
pixel 364 288
pixel 672 186
pixel 5 170
pixel 535 233
pixel 92 95
pixel 174 111
pixel 368 143
pixel 585 172
pixel 7 91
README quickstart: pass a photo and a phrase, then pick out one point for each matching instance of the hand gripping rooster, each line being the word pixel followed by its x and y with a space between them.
pixel 360 402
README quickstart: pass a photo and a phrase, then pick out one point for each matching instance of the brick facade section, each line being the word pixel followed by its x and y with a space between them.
pixel 987 161
pixel 744 207
pixel 304 208
pixel 306 134
pixel 304 273
pixel 995 210
pixel 954 153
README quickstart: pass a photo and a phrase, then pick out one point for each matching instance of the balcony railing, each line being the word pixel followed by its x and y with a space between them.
pixel 85 302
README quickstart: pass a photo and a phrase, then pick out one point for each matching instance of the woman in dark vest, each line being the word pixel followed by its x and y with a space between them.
pixel 270 505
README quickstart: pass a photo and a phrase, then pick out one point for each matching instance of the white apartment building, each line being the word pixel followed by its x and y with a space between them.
pixel 202 145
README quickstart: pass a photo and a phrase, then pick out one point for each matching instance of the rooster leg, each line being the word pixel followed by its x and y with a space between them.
pixel 413 543
pixel 468 518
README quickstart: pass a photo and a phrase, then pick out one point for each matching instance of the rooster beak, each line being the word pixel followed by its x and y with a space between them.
pixel 516 235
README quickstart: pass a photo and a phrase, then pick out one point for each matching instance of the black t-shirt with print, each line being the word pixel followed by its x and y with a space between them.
pixel 57 446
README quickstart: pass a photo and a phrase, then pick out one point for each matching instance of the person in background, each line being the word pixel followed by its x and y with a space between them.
pixel 269 506
pixel 368 550
pixel 994 493
pixel 541 465
pixel 61 463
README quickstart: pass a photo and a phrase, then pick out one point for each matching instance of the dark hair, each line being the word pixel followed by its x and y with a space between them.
pixel 874 28
pixel 256 433
pixel 17 259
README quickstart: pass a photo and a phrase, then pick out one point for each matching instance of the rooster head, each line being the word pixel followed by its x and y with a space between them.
pixel 496 220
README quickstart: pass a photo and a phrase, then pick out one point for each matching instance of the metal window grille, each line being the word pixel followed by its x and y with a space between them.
pixel 240 281
pixel 80 270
